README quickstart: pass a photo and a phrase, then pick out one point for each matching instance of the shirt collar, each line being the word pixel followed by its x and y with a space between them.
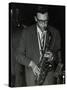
pixel 40 32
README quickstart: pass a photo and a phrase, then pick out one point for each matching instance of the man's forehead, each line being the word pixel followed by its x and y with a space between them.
pixel 42 15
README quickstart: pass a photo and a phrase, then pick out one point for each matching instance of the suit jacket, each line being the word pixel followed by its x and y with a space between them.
pixel 29 48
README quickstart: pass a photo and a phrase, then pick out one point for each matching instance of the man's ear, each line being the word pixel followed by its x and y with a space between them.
pixel 35 18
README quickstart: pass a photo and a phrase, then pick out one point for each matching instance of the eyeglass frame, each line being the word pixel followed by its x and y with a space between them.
pixel 41 21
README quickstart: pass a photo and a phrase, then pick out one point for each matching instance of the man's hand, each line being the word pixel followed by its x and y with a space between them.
pixel 48 55
pixel 36 71
pixel 35 68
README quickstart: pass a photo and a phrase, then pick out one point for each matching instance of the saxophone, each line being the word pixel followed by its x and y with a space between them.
pixel 45 65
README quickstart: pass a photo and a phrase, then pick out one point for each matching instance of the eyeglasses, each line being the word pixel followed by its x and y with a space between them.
pixel 42 21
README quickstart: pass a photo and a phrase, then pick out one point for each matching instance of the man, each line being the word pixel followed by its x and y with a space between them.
pixel 29 51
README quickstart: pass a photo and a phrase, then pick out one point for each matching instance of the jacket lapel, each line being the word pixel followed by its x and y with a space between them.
pixel 48 38
pixel 35 42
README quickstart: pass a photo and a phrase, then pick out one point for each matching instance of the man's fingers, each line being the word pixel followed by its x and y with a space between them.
pixel 48 54
pixel 36 71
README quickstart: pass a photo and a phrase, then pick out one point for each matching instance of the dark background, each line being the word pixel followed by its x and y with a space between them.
pixel 21 14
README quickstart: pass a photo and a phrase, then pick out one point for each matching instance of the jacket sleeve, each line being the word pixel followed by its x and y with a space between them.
pixel 21 51
pixel 58 50
pixel 58 45
pixel 59 67
pixel 57 41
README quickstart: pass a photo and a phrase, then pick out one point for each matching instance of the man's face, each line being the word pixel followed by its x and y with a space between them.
pixel 42 20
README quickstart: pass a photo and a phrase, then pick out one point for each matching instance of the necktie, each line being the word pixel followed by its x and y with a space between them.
pixel 43 41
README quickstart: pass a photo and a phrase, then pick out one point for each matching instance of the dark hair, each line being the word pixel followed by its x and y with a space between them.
pixel 42 9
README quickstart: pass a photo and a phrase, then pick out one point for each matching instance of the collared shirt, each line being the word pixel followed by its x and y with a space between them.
pixel 39 34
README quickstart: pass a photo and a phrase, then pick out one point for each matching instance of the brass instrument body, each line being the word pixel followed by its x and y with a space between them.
pixel 45 65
